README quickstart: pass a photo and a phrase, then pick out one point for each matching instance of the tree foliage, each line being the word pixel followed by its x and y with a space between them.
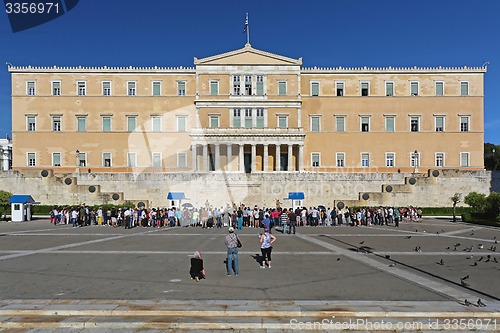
pixel 4 202
pixel 491 156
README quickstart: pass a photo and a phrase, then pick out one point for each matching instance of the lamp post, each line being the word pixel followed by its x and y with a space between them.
pixel 77 161
pixel 415 160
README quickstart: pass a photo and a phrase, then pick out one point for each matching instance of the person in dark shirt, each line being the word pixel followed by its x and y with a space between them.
pixel 197 270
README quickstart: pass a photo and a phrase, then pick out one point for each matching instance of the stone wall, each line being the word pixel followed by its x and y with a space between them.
pixel 260 189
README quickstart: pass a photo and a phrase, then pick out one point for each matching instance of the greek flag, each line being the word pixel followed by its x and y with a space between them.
pixel 245 28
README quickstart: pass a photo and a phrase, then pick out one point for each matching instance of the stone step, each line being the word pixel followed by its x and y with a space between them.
pixel 263 316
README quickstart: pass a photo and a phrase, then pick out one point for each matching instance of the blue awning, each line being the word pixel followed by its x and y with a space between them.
pixel 175 196
pixel 22 199
pixel 296 195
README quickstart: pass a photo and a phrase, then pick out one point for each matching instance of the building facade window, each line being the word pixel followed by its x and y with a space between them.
pixel 315 160
pixel 181 88
pixel 439 123
pixel 106 160
pixel 56 124
pixel 339 89
pixel 389 88
pixel 464 123
pixel 248 85
pixel 315 123
pixel 439 159
pixel 439 88
pixel 131 88
pixel 156 123
pixel 214 121
pixel 131 123
pixel 156 88
pixel 340 123
pixel 236 85
pixel 464 159
pixel 365 124
pixel 30 88
pixel 414 159
pixel 106 88
pixel 282 121
pixel 81 88
pixel 414 123
pixel 365 89
pixel 365 160
pixel 260 85
pixel 390 123
pixel 181 160
pixel 314 88
pixel 464 88
pixel 156 160
pixel 248 118
pixel 56 159
pixel 131 160
pixel 390 160
pixel 31 123
pixel 82 159
pixel 340 157
pixel 260 121
pixel 282 88
pixel 106 124
pixel 31 159
pixel 414 88
pixel 81 124
pixel 237 118
pixel 214 88
pixel 181 123
pixel 56 88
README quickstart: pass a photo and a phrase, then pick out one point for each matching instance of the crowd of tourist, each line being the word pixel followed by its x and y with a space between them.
pixel 237 216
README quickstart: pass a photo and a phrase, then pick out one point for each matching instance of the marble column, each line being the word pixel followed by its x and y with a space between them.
pixel 217 157
pixel 205 157
pixel 278 157
pixel 193 157
pixel 254 157
pixel 290 157
pixel 301 158
pixel 266 157
pixel 229 154
pixel 241 159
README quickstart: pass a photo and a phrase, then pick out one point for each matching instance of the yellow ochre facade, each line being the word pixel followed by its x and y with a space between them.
pixel 247 111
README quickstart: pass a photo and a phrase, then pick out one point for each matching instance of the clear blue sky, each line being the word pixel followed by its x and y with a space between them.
pixel 325 33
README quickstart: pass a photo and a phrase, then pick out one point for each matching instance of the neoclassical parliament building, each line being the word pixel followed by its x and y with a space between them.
pixel 247 111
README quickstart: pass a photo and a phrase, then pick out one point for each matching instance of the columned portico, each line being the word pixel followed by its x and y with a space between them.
pixel 254 152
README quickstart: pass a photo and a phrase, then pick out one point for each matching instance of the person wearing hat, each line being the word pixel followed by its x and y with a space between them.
pixel 266 247
pixel 232 252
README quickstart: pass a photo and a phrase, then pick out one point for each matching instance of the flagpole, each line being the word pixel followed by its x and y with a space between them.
pixel 248 31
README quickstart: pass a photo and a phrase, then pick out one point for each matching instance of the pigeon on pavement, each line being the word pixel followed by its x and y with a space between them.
pixel 480 304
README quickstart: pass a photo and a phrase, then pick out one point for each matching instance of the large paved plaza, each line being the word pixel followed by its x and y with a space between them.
pixel 47 271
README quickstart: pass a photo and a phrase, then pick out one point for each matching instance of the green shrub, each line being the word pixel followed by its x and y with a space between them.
pixel 476 200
